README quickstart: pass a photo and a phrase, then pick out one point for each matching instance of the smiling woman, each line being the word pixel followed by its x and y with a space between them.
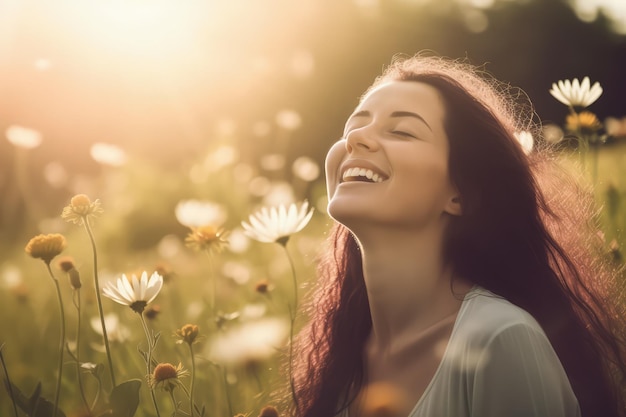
pixel 396 133
pixel 456 274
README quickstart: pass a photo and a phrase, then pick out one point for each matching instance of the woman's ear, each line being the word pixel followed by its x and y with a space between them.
pixel 453 206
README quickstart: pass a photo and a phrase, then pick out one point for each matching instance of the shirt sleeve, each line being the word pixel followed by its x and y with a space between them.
pixel 518 374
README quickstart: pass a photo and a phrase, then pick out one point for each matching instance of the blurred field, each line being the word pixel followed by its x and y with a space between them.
pixel 143 105
pixel 139 231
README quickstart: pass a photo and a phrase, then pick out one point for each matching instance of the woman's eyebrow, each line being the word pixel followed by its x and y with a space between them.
pixel 411 114
pixel 366 113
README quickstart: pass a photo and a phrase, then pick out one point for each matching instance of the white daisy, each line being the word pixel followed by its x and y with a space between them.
pixel 575 93
pixel 277 224
pixel 135 293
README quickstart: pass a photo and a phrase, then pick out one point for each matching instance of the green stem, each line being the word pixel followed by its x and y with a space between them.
pixel 149 361
pixel 193 378
pixel 173 402
pixel 291 380
pixel 78 374
pixel 295 283
pixel 213 300
pixel 594 161
pixel 99 299
pixel 61 342
pixel 257 378
pixel 97 397
pixel 228 399
pixel 188 394
pixel 9 385
pixel 292 322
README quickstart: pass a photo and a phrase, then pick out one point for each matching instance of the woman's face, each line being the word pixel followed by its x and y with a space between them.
pixel 391 166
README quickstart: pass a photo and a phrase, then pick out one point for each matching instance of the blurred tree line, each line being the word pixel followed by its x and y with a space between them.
pixel 529 44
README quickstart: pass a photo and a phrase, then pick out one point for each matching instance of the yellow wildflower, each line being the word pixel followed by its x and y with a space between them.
pixel 188 334
pixel 81 208
pixel 46 247
pixel 206 238
pixel 584 121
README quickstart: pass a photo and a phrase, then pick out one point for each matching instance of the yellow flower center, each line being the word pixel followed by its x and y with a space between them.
pixel 139 306
pixel 206 237
pixel 207 233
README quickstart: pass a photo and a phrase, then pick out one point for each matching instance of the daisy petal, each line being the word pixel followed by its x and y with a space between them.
pixel 129 291
pixel 275 223
pixel 576 93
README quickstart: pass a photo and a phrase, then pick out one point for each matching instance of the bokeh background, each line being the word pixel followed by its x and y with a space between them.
pixel 147 103
pixel 164 80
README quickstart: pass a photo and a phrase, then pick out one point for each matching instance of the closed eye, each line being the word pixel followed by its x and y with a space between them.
pixel 405 134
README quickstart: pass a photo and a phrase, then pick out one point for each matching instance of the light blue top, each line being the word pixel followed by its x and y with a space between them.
pixel 498 363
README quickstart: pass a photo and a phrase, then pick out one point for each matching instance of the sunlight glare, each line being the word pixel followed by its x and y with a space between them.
pixel 142 27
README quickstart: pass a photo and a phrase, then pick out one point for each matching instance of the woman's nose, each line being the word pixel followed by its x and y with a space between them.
pixel 361 139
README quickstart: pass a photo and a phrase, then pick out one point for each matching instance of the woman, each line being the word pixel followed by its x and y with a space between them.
pixel 451 275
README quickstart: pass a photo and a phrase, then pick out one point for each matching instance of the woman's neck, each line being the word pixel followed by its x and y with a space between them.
pixel 409 286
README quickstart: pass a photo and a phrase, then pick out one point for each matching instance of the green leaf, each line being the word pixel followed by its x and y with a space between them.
pixel 35 406
pixel 124 398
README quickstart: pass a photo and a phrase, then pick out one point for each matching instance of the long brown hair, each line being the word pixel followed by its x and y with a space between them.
pixel 525 234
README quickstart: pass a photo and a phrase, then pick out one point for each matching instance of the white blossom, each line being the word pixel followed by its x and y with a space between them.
pixel 277 224
pixel 135 292
pixel 576 93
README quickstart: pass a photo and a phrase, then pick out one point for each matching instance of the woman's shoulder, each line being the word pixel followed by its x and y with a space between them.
pixel 485 315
